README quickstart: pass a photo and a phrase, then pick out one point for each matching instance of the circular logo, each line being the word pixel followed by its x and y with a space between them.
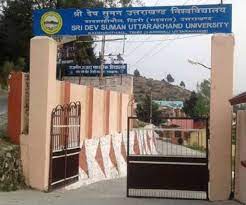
pixel 51 22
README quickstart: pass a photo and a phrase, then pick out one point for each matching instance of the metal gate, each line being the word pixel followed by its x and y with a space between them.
pixel 168 161
pixel 65 145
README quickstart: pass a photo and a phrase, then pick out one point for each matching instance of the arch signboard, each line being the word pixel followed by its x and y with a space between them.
pixel 207 19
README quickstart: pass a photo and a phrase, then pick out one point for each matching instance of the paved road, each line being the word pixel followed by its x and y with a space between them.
pixel 170 149
pixel 3 102
pixel 104 193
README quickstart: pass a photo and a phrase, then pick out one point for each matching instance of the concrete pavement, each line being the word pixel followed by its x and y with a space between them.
pixel 170 149
pixel 3 102
pixel 111 192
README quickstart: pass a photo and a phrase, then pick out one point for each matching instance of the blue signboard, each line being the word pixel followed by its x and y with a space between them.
pixel 94 70
pixel 135 20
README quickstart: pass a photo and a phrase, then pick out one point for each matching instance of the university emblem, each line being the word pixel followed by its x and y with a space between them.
pixel 51 22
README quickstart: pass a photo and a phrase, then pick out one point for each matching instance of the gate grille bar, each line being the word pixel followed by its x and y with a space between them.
pixel 168 161
pixel 65 144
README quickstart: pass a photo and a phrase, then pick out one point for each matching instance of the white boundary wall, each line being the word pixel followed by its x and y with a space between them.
pixel 95 172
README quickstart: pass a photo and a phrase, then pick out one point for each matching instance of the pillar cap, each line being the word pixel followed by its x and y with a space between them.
pixel 42 38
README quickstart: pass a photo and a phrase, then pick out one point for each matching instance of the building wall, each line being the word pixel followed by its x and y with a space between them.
pixel 101 112
pixel 15 107
pixel 98 113
pixel 113 112
pixel 240 175
pixel 125 109
pixel 115 83
pixel 79 93
pixel 59 92
pixel 198 138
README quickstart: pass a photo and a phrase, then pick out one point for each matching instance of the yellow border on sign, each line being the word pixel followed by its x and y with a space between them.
pixel 50 30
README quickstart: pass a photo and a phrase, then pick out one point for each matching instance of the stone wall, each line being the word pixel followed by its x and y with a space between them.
pixel 11 177
pixel 25 103
pixel 122 84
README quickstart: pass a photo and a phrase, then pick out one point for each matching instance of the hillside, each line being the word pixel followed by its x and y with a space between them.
pixel 161 90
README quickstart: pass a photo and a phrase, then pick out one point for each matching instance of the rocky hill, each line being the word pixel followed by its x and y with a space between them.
pixel 161 90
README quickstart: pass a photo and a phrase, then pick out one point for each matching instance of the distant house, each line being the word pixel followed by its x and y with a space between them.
pixel 186 131
pixel 171 108
pixel 170 104
pixel 239 99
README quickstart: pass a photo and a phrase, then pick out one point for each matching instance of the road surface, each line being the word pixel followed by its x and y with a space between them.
pixel 3 102
pixel 112 192
pixel 170 149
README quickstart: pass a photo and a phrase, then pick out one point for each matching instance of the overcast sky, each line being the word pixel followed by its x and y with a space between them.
pixel 155 58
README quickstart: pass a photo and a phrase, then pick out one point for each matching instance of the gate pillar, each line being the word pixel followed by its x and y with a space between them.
pixel 240 177
pixel 42 101
pixel 220 117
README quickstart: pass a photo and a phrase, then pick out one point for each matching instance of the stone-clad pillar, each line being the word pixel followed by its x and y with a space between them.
pixel 220 117
pixel 42 101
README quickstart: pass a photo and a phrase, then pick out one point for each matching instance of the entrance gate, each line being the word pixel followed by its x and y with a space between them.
pixel 65 145
pixel 171 161
pixel 184 19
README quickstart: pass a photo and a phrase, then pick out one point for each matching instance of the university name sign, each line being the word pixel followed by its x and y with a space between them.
pixel 94 70
pixel 134 20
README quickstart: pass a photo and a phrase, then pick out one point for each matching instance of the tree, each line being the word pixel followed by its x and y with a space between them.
pixel 170 78
pixel 6 69
pixel 198 105
pixel 16 28
pixel 182 84
pixel 189 105
pixel 143 111
pixel 84 51
pixel 16 19
pixel 202 107
pixel 136 73
pixel 15 35
pixel 203 103
pixel 204 89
